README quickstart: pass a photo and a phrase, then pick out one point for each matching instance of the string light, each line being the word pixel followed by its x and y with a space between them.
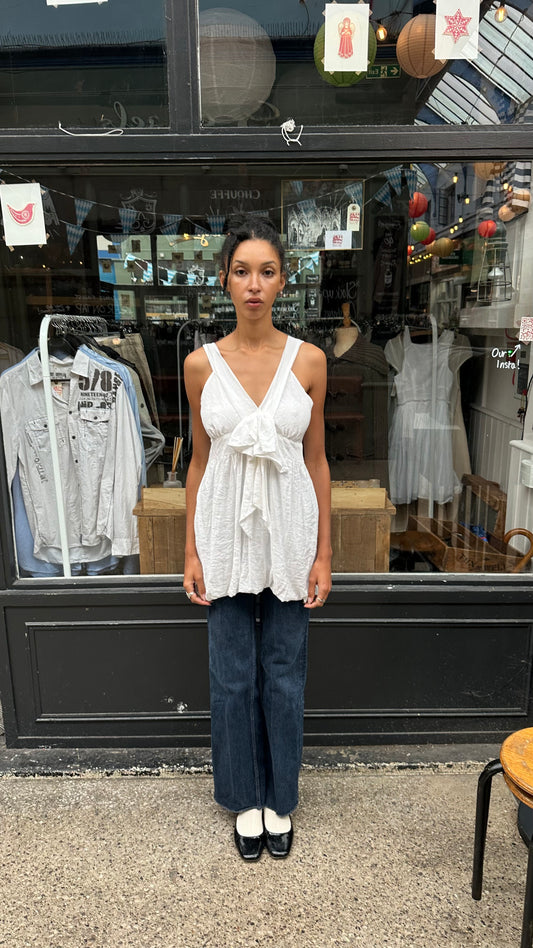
pixel 501 14
pixel 455 178
pixel 381 33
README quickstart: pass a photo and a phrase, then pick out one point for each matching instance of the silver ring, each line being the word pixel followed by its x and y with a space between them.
pixel 189 594
pixel 320 599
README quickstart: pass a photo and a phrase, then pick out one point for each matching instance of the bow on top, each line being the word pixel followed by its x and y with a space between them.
pixel 256 437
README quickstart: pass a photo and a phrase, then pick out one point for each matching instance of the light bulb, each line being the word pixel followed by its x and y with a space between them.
pixel 455 178
pixel 467 200
pixel 381 33
pixel 501 14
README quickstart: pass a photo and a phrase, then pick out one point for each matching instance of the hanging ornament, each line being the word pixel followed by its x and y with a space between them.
pixel 419 231
pixel 488 169
pixel 418 204
pixel 487 229
pixel 341 78
pixel 416 45
pixel 430 237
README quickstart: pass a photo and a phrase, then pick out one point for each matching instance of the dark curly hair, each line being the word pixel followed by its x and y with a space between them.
pixel 249 227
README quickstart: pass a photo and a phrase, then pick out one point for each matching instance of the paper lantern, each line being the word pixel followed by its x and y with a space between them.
pixel 341 78
pixel 418 204
pixel 237 66
pixel 488 169
pixel 419 231
pixel 416 47
pixel 487 228
pixel 442 247
pixel 410 249
pixel 430 237
pixel 519 201
pixel 506 213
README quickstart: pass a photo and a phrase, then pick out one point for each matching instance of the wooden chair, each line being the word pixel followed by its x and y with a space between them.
pixel 516 765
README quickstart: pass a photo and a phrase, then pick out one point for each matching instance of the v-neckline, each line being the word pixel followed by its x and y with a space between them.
pixel 241 386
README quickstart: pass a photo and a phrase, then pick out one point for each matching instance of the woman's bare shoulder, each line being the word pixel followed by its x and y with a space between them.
pixel 196 363
pixel 312 356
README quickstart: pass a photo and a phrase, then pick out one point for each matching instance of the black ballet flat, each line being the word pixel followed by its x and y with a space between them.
pixel 250 847
pixel 279 844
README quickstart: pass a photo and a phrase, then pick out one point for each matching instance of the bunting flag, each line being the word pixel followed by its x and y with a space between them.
pixel 82 209
pixel 23 215
pixel 457 29
pixel 307 206
pixel 411 177
pixel 355 192
pixel 216 222
pixel 119 238
pixel 171 225
pixel 346 37
pixel 384 195
pixel 128 216
pixel 394 177
pixel 74 235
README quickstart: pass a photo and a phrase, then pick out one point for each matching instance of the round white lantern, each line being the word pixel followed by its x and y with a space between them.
pixel 237 66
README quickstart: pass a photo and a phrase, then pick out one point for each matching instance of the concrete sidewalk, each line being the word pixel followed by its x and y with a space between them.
pixel 381 859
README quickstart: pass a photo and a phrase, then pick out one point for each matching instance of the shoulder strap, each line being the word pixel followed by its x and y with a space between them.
pixel 292 347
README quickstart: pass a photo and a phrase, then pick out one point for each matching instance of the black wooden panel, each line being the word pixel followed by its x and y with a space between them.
pixel 421 667
pixel 387 666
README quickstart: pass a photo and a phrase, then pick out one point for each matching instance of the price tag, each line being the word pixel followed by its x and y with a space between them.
pixel 353 217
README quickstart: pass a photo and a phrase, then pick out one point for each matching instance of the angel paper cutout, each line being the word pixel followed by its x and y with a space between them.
pixel 346 31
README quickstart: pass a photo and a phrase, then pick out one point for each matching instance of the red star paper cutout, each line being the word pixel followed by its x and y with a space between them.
pixel 457 25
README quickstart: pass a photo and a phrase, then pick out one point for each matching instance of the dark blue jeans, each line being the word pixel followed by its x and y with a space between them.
pixel 257 667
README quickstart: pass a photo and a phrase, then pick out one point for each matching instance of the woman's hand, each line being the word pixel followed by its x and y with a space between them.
pixel 193 581
pixel 319 583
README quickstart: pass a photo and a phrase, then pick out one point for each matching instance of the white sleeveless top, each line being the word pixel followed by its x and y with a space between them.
pixel 256 520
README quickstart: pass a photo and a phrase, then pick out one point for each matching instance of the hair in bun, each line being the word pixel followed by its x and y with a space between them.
pixel 249 227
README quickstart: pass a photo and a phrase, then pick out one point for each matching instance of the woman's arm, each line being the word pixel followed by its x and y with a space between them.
pixel 195 371
pixel 315 367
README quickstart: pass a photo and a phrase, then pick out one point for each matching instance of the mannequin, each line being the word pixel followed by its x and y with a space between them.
pixel 346 335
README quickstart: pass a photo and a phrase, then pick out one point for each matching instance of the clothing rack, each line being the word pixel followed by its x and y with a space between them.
pixel 91 325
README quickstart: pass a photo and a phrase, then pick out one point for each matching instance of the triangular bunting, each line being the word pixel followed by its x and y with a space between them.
pixel 411 177
pixel 74 235
pixel 355 192
pixel 394 177
pixel 128 216
pixel 384 195
pixel 82 209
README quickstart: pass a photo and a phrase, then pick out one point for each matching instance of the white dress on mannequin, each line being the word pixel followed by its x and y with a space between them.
pixel 420 440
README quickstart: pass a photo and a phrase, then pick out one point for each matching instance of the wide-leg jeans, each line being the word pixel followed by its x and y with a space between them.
pixel 257 670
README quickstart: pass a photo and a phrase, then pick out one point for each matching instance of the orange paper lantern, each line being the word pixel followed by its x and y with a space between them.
pixel 487 228
pixel 416 47
pixel 418 204
pixel 506 213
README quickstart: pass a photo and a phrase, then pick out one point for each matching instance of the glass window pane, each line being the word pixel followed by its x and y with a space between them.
pixel 100 65
pixel 261 65
pixel 415 280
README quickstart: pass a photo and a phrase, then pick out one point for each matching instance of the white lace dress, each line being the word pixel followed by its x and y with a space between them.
pixel 256 520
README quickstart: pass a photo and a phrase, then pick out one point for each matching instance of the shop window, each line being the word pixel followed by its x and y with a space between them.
pixel 100 65
pixel 426 327
pixel 263 64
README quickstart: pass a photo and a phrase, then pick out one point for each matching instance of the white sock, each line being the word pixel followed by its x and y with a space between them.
pixel 274 823
pixel 250 823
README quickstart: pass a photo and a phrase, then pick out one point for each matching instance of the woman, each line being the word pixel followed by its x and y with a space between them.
pixel 258 549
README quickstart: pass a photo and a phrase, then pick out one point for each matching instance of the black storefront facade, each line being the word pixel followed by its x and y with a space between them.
pixel 436 648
